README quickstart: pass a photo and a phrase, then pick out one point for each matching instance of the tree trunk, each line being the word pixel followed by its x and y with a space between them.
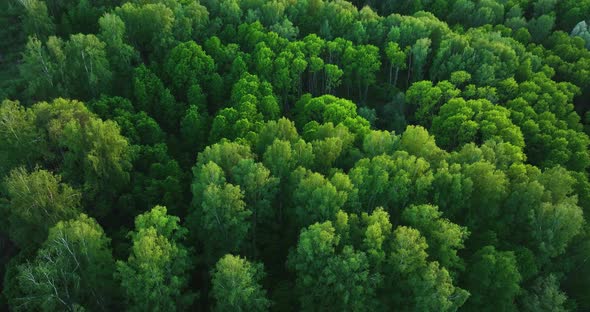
pixel 360 92
pixel 390 70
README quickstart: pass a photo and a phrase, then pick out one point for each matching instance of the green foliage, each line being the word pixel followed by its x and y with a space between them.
pixel 137 127
pixel 288 132
pixel 37 21
pixel 430 287
pixel 218 214
pixel 392 181
pixel 236 285
pixel 155 99
pixel 36 202
pixel 193 127
pixel 380 142
pixel 72 270
pixel 89 153
pixel 259 186
pixel 444 237
pixel 21 141
pixel 494 280
pixel 545 295
pixel 112 32
pixel 78 67
pixel 148 27
pixel 252 103
pixel 87 69
pixel 316 200
pixel 155 275
pixel 461 121
pixel 341 281
pixel 186 65
pixel 39 68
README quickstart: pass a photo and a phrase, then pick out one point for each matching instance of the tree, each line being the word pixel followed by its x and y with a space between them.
pixel 341 280
pixel 262 60
pixel 249 88
pixel 489 187
pixel 119 53
pixel 148 27
pixel 90 154
pixel 545 295
pixel 252 103
pixel 460 121
pixel 191 20
pixel 333 77
pixel 137 127
pixel 193 127
pixel 376 235
pixel 493 279
pixel 286 29
pixel 420 51
pixel 408 250
pixel 391 182
pixel 397 59
pixel 281 157
pixel 186 65
pixel 155 99
pixel 154 277
pixel 78 67
pixel 40 68
pixel 444 237
pixel 282 129
pixel 331 149
pixel 98 158
pixel 158 179
pixel 324 109
pixel 316 200
pixel 541 27
pixel 380 142
pixel 236 285
pixel 88 72
pixel 21 142
pixel 37 21
pixel 72 16
pixel 557 220
pixel 37 201
pixel 581 30
pixel 225 154
pixel 434 290
pixel 360 65
pixel 72 271
pixel 418 142
pixel 220 218
pixel 417 283
pixel 426 99
pixel 260 189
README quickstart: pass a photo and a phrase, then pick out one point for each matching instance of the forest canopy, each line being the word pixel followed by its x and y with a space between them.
pixel 294 155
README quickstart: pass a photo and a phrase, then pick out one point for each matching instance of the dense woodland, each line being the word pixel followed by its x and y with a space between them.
pixel 287 155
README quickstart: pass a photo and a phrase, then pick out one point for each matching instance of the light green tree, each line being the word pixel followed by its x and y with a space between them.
pixel 155 276
pixel 236 285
